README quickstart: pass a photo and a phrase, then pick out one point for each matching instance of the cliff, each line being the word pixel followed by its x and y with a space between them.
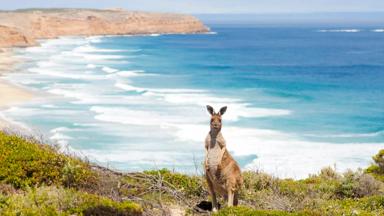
pixel 23 28
pixel 12 37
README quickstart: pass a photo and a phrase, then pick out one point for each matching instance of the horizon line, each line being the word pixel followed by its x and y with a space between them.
pixel 202 13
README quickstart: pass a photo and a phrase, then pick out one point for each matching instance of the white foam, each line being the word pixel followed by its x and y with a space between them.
pixel 340 30
pixel 89 56
pixel 134 117
pixel 348 135
pixel 297 159
pixel 64 74
pixel 149 158
pixel 94 39
pixel 127 87
pixel 109 69
pixel 69 93
pixel 94 57
pixel 39 50
pixel 132 73
pixel 91 66
pixel 63 41
pixel 278 153
pixel 283 154
pixel 49 106
pixel 200 98
pixel 46 64
pixel 90 49
pixel 60 136
pixel 378 30
pixel 8 123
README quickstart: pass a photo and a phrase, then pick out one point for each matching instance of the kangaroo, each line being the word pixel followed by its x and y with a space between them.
pixel 222 172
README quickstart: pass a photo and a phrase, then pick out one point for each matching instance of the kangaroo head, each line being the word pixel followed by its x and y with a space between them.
pixel 216 117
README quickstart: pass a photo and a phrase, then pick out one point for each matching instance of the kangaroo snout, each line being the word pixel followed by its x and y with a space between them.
pixel 216 125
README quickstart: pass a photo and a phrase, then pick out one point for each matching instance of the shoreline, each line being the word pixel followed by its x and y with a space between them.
pixel 25 28
pixel 10 94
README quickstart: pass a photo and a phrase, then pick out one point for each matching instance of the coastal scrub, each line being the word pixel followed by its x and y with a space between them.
pixel 35 179
pixel 26 162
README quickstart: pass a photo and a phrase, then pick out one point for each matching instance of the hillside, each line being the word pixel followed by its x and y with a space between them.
pixel 35 179
pixel 24 27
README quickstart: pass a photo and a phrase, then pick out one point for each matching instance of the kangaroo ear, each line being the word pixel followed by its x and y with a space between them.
pixel 222 110
pixel 210 110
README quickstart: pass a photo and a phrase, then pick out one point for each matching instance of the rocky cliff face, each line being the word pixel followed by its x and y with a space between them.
pixel 12 37
pixel 24 27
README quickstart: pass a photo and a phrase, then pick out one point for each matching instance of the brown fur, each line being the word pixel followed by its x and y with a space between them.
pixel 224 178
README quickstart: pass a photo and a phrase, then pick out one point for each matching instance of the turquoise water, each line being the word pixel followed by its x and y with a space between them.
pixel 298 99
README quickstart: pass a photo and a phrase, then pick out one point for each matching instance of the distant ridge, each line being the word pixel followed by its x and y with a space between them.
pixel 22 27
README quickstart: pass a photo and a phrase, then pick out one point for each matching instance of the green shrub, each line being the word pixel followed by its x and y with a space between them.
pixel 26 163
pixel 246 211
pixel 37 180
pixel 329 173
pixel 257 181
pixel 191 186
pixel 358 184
pixel 379 161
pixel 60 201
pixel 291 188
pixel 377 169
pixel 373 205
pixel 259 189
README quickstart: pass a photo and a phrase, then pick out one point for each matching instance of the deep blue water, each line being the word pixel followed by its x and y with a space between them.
pixel 298 98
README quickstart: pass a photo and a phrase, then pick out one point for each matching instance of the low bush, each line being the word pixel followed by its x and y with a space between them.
pixel 25 163
pixel 379 161
pixel 50 200
pixel 358 184
pixel 367 206
pixel 190 186
pixel 377 168
pixel 36 179
pixel 246 211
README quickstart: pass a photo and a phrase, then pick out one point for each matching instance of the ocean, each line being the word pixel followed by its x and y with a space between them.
pixel 299 98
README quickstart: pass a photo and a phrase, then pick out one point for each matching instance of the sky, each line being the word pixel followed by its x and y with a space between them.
pixel 208 6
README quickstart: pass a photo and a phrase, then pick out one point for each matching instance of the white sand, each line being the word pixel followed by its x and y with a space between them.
pixel 10 94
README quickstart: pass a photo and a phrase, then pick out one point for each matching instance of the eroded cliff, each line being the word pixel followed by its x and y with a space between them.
pixel 22 28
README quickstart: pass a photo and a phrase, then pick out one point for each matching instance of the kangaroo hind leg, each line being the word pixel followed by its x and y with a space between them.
pixel 215 206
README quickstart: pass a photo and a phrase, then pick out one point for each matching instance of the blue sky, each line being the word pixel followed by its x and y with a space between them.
pixel 210 6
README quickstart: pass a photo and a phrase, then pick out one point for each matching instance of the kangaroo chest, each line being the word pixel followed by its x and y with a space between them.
pixel 214 156
pixel 214 153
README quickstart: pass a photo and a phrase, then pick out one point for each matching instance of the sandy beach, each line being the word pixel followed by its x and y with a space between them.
pixel 9 93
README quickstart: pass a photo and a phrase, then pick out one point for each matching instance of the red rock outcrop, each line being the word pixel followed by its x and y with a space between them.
pixel 22 28
pixel 12 37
